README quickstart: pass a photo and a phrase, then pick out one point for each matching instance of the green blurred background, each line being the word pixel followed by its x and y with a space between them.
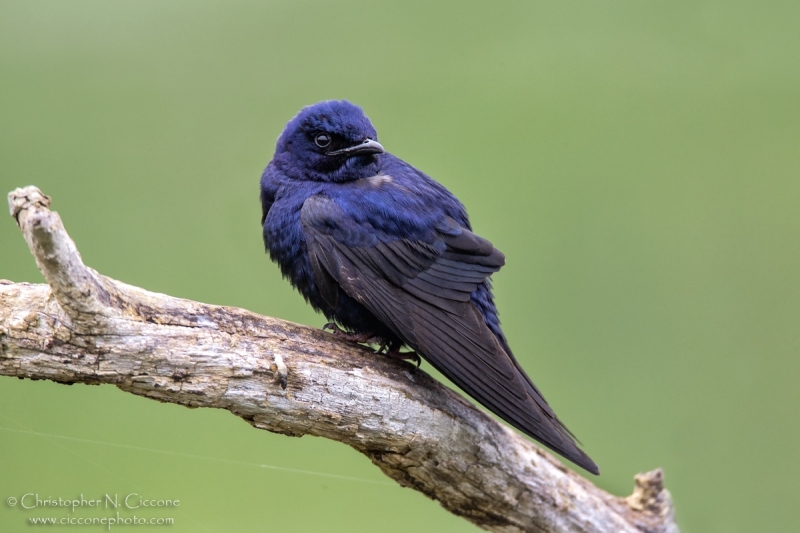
pixel 637 162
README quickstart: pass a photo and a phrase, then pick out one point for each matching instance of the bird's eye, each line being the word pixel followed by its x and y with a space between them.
pixel 322 140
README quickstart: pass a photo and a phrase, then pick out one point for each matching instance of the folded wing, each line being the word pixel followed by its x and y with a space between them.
pixel 421 290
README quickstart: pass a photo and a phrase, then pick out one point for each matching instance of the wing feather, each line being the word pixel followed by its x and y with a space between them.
pixel 421 289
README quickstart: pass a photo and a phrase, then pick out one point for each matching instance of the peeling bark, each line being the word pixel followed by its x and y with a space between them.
pixel 83 327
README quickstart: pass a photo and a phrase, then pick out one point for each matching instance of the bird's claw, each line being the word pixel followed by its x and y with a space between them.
pixel 405 356
pixel 385 347
pixel 339 333
pixel 332 327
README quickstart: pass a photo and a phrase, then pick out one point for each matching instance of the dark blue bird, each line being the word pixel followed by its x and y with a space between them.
pixel 388 254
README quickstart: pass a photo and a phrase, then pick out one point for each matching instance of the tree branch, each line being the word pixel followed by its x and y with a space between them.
pixel 83 327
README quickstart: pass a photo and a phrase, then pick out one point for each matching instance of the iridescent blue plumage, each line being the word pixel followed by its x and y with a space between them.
pixel 385 251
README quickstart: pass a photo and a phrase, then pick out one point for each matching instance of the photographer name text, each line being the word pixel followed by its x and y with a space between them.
pixel 133 500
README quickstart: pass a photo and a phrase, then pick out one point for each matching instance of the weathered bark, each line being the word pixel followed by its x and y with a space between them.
pixel 86 328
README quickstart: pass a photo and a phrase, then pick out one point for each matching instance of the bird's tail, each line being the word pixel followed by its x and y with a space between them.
pixel 560 439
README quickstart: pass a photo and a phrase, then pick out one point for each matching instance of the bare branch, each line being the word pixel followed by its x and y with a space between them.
pixel 291 379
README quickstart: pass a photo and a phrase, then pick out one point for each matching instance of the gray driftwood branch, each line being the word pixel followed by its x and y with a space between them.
pixel 83 327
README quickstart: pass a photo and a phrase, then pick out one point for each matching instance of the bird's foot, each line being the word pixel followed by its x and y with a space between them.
pixel 339 333
pixel 387 347
pixel 395 353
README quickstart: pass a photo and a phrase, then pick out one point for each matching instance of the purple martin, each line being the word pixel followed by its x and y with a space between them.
pixel 388 255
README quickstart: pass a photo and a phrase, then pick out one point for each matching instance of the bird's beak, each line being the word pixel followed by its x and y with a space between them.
pixel 368 146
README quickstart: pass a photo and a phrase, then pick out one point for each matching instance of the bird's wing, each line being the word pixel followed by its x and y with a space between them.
pixel 421 290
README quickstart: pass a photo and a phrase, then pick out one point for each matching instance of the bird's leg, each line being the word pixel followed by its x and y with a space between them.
pixel 392 349
pixel 387 347
pixel 339 333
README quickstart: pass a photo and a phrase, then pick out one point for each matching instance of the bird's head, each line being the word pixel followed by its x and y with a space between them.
pixel 329 141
